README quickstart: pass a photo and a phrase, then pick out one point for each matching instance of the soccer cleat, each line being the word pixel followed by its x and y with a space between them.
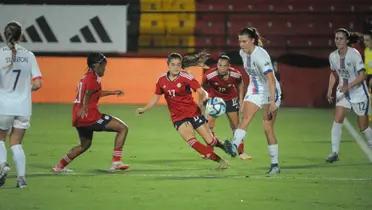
pixel 21 182
pixel 332 157
pixel 274 169
pixel 245 156
pixel 231 148
pixel 118 166
pixel 223 164
pixel 4 168
pixel 59 170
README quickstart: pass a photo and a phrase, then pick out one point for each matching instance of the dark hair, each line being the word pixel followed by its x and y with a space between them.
pixel 352 37
pixel 224 57
pixel 94 58
pixel 12 33
pixel 195 59
pixel 252 32
pixel 368 33
pixel 174 55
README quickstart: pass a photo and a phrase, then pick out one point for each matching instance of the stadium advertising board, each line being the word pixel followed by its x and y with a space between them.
pixel 69 28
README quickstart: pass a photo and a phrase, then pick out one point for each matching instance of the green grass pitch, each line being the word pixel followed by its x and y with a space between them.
pixel 166 173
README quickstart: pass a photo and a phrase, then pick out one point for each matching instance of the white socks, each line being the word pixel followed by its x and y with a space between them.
pixel 239 135
pixel 19 159
pixel 336 136
pixel 368 134
pixel 2 152
pixel 273 153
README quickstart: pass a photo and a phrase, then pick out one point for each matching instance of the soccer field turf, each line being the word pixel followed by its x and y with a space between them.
pixel 166 173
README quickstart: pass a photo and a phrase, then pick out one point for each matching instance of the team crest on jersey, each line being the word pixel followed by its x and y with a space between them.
pixel 229 85
pixel 179 85
pixel 348 64
pixel 164 86
pixel 216 83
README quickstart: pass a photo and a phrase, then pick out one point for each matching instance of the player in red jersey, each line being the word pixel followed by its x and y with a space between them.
pixel 176 85
pixel 226 82
pixel 87 118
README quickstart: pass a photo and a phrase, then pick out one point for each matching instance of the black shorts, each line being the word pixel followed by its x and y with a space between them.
pixel 86 132
pixel 232 105
pixel 196 122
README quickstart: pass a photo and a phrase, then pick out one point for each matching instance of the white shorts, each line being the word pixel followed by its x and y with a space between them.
pixel 362 108
pixel 7 122
pixel 261 99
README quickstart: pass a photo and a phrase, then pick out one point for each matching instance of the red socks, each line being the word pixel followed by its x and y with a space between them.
pixel 203 150
pixel 241 148
pixel 116 154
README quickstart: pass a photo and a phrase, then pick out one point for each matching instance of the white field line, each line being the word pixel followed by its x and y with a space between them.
pixel 190 176
pixel 359 139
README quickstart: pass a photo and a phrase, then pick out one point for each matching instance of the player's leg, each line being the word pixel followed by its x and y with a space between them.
pixel 362 110
pixel 85 136
pixel 249 111
pixel 336 132
pixel 186 130
pixel 234 123
pixel 20 125
pixel 5 124
pixel 121 130
pixel 268 124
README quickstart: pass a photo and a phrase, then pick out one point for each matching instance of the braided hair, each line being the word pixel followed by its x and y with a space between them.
pixel 12 33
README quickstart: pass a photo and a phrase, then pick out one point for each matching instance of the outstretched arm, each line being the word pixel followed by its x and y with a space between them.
pixel 154 100
pixel 111 92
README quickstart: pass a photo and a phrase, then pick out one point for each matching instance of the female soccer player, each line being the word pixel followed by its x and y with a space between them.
pixel 226 82
pixel 346 63
pixel 87 118
pixel 263 92
pixel 176 86
pixel 18 67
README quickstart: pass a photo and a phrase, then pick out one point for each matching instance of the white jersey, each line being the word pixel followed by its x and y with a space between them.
pixel 257 65
pixel 15 82
pixel 348 69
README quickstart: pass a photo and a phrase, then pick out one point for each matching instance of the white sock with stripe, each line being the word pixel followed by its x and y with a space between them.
pixel 3 154
pixel 19 159
pixel 336 136
pixel 239 135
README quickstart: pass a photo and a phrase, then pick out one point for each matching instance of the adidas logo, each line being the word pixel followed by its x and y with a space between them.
pixel 34 34
pixel 88 35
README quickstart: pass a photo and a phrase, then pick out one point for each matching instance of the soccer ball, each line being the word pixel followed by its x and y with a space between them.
pixel 215 107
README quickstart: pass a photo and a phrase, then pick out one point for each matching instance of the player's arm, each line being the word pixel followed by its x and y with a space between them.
pixel 271 82
pixel 36 84
pixel 202 99
pixel 111 92
pixel 154 100
pixel 331 84
pixel 241 92
pixel 83 112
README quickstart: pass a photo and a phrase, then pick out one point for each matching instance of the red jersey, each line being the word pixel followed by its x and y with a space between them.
pixel 218 86
pixel 90 81
pixel 178 95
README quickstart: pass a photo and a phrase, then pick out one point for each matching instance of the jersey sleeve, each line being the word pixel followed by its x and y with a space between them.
pixel 194 84
pixel 332 65
pixel 158 89
pixel 264 63
pixel 35 71
pixel 90 83
pixel 358 61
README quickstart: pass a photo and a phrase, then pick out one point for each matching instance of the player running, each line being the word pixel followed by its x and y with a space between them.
pixel 87 119
pixel 19 75
pixel 176 85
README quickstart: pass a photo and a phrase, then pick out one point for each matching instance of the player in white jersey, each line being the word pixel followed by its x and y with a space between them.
pixel 19 75
pixel 352 93
pixel 263 92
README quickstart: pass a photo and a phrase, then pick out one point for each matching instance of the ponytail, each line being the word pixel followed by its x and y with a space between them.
pixel 252 32
pixel 12 33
